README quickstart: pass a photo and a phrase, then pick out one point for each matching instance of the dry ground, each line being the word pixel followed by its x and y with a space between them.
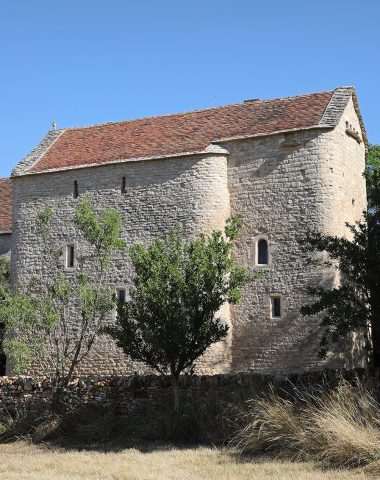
pixel 22 461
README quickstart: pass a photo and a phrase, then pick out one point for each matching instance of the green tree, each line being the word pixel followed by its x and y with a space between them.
pixel 4 291
pixel 4 272
pixel 353 306
pixel 178 289
pixel 56 322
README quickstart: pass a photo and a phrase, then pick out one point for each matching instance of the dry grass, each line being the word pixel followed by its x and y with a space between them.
pixel 23 461
pixel 340 428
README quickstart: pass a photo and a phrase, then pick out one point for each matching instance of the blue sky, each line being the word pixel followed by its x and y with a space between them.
pixel 84 62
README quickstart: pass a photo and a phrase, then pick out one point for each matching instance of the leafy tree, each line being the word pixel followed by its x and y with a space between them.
pixel 43 323
pixel 178 289
pixel 4 290
pixel 4 272
pixel 353 306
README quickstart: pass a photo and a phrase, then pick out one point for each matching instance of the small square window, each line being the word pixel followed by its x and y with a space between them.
pixel 70 256
pixel 275 307
pixel 121 296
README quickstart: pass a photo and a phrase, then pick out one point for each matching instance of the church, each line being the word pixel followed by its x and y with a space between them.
pixel 283 166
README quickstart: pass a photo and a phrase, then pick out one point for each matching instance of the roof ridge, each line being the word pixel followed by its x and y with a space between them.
pixel 174 114
pixel 175 133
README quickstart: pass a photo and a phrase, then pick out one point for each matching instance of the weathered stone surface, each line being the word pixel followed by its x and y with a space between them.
pixel 5 244
pixel 189 193
pixel 127 393
pixel 281 193
pixel 280 185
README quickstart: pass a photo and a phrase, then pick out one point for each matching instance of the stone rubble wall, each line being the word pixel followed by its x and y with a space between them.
pixel 127 393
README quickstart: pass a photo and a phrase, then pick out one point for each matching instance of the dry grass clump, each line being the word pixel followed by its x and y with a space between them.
pixel 339 428
pixel 22 461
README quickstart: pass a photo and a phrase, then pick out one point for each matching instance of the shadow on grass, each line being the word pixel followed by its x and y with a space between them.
pixel 148 429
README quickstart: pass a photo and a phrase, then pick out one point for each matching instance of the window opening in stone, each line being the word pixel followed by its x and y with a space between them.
pixel 262 252
pixel 276 307
pixel 121 295
pixel 123 185
pixel 69 256
pixel 76 191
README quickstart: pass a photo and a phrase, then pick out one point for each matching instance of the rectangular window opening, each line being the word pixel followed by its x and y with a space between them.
pixel 69 256
pixel 76 191
pixel 123 185
pixel 276 307
pixel 121 295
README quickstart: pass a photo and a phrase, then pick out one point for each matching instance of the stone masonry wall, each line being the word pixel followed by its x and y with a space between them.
pixel 281 186
pixel 127 394
pixel 5 244
pixel 188 193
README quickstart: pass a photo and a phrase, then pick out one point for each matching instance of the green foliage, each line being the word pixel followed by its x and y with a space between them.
pixel 345 308
pixel 4 272
pixel 43 221
pixel 102 232
pixel 43 324
pixel 372 175
pixel 178 288
pixel 354 305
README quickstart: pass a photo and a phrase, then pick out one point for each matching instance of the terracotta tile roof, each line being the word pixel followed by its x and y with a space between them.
pixel 5 205
pixel 178 133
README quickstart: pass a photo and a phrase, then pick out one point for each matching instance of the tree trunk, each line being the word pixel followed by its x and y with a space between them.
pixel 373 281
pixel 376 334
pixel 56 402
pixel 175 385
pixel 57 392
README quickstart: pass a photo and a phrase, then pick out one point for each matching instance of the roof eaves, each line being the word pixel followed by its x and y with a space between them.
pixel 361 123
pixel 210 150
pixel 271 134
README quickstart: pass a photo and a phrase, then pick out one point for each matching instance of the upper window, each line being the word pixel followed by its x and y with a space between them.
pixel 76 190
pixel 70 255
pixel 123 185
pixel 262 252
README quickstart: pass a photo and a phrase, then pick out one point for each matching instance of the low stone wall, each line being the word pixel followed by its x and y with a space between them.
pixel 126 393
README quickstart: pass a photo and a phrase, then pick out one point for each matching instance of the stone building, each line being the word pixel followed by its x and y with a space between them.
pixel 5 216
pixel 283 165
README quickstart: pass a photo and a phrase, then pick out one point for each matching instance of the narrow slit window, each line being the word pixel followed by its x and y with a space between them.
pixel 276 307
pixel 70 256
pixel 121 295
pixel 262 252
pixel 76 190
pixel 123 185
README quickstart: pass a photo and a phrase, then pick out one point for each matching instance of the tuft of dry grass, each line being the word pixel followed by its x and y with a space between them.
pixel 339 428
pixel 22 461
